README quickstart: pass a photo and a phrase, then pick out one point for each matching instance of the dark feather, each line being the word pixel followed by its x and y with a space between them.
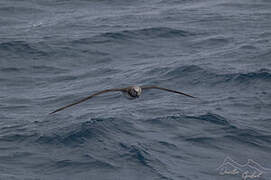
pixel 87 98
pixel 165 89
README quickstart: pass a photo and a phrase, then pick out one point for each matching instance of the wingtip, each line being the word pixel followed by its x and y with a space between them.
pixel 52 112
pixel 188 95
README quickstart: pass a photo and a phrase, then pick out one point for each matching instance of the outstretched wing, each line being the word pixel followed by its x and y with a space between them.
pixel 86 98
pixel 165 89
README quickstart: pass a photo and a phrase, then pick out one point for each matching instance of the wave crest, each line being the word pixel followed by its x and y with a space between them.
pixel 194 74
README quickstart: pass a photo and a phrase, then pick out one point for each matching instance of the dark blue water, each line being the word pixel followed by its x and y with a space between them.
pixel 53 52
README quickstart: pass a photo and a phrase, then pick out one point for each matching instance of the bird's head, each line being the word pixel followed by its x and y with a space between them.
pixel 135 91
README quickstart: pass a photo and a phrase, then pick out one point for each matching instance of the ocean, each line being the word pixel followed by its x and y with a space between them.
pixel 54 52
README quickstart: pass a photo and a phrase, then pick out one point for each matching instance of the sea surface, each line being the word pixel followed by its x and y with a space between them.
pixel 54 52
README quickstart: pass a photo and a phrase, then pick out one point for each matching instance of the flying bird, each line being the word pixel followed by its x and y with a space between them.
pixel 131 92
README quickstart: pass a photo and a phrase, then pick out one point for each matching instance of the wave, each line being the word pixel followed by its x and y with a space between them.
pixel 154 32
pixel 94 130
pixel 228 131
pixel 10 9
pixel 211 42
pixel 70 135
pixel 22 47
pixel 41 69
pixel 11 69
pixel 46 69
pixel 262 74
pixel 238 5
pixel 81 166
pixel 193 74
pixel 173 120
pixel 100 129
pixel 212 118
pixel 74 135
pixel 137 34
pixel 249 136
pixel 136 152
pixel 18 137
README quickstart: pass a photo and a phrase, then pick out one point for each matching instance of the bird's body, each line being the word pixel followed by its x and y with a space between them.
pixel 130 92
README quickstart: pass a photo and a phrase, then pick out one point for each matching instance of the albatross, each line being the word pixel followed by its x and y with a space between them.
pixel 131 92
